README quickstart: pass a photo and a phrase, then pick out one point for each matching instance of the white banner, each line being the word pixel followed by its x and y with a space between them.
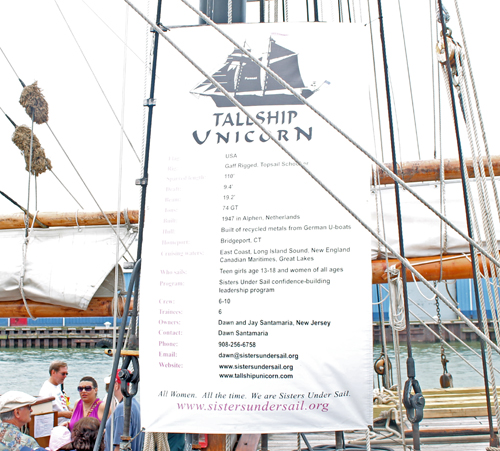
pixel 256 285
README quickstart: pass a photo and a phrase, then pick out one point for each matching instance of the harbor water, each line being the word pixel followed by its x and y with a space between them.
pixel 428 365
pixel 26 369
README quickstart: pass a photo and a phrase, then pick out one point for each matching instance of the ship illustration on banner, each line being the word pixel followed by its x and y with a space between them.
pixel 251 85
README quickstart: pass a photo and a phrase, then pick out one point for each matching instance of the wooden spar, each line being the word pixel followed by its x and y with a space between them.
pixel 97 307
pixel 454 266
pixel 428 170
pixel 51 219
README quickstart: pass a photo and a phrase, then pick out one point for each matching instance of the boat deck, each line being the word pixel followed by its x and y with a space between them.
pixel 460 434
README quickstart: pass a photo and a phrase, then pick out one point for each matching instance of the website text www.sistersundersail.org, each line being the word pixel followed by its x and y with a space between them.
pixel 267 406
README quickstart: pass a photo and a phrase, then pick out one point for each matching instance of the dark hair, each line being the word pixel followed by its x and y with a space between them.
pixel 84 434
pixel 56 365
pixel 89 379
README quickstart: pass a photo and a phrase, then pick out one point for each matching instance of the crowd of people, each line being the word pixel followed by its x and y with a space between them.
pixel 78 426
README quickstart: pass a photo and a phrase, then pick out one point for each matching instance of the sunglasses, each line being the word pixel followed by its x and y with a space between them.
pixel 63 374
pixel 86 388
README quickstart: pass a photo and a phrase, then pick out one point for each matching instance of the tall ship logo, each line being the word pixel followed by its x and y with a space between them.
pixel 251 85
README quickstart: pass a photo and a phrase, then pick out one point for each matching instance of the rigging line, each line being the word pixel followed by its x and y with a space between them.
pixel 483 199
pixel 120 175
pixel 68 191
pixel 26 221
pixel 409 79
pixel 376 84
pixel 493 435
pixel 23 268
pixel 404 261
pixel 448 330
pixel 380 164
pixel 41 224
pixel 476 98
pixel 483 193
pixel 12 67
pixel 7 116
pixel 411 382
pixel 112 31
pixel 95 77
pixel 433 70
pixel 447 344
pixel 395 116
pixel 88 189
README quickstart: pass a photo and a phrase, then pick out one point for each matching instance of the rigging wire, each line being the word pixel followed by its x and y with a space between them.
pixel 96 79
pixel 380 164
pixel 477 288
pixel 409 79
pixel 451 333
pixel 487 222
pixel 414 403
pixel 64 186
pixel 478 108
pixel 112 31
pixel 443 342
pixel 89 190
pixel 12 67
pixel 404 261
pixel 376 86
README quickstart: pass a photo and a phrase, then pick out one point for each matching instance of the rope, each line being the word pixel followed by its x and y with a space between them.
pixel 156 441
pixel 443 342
pixel 397 358
pixel 485 213
pixel 459 81
pixel 404 261
pixel 26 221
pixel 449 332
pixel 76 220
pixel 113 31
pixel 67 190
pixel 409 80
pixel 119 181
pixel 89 191
pixel 230 11
pixel 367 438
pixel 397 307
pixel 95 77
pixel 478 108
pixel 314 109
pixel 23 268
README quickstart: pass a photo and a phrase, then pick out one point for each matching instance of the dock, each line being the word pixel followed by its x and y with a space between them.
pixel 86 336
pixel 54 337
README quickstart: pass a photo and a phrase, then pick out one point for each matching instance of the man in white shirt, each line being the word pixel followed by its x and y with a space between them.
pixel 58 371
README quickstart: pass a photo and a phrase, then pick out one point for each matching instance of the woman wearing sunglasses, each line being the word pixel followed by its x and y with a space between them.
pixel 89 405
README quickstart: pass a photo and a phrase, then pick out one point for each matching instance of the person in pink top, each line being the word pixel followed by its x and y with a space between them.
pixel 89 405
